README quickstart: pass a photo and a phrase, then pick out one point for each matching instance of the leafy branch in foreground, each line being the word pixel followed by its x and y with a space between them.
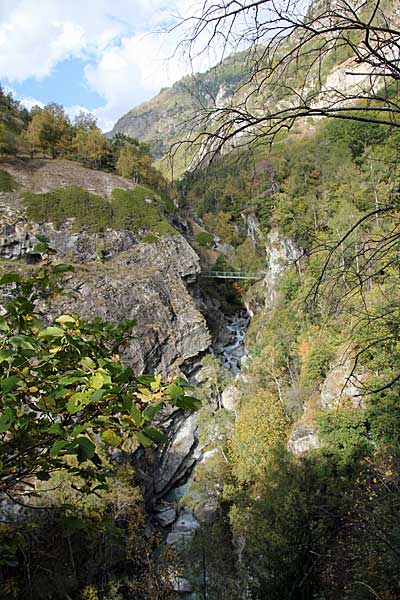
pixel 64 390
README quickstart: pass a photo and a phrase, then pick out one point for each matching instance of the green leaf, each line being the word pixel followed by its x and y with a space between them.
pixel 78 401
pixel 85 449
pixel 182 383
pixel 156 384
pixel 43 476
pixel 57 447
pixel 10 278
pixel 4 326
pixel 51 332
pixel 145 379
pixel 9 384
pixel 65 319
pixel 155 435
pixel 6 420
pixel 188 402
pixel 42 238
pixel 136 415
pixel 88 362
pixel 151 410
pixel 63 268
pixel 71 380
pixel 78 429
pixel 143 439
pixel 174 391
pixel 97 381
pixel 41 248
pixel 56 428
pixel 21 341
pixel 111 438
pixel 5 355
pixel 98 394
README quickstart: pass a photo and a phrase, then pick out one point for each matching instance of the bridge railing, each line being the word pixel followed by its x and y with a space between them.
pixel 231 275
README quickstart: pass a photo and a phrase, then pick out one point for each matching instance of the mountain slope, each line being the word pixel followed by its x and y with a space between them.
pixel 309 69
pixel 167 118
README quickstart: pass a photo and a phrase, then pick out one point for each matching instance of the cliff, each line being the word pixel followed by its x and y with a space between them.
pixel 117 276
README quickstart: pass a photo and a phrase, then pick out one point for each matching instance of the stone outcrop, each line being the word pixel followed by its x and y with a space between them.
pixel 280 252
pixel 133 280
pixel 341 385
pixel 304 437
pixel 178 457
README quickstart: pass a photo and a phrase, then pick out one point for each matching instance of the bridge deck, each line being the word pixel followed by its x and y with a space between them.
pixel 232 275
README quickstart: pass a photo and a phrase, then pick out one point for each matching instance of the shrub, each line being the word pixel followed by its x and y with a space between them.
pixel 90 211
pixel 150 238
pixel 135 209
pixel 205 239
pixel 7 182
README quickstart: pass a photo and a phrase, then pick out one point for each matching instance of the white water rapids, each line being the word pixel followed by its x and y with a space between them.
pixel 230 347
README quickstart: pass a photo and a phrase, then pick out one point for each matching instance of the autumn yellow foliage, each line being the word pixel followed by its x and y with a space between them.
pixel 260 427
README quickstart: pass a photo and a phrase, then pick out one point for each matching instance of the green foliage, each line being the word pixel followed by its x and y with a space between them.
pixel 205 239
pixel 246 258
pixel 139 209
pixel 149 238
pixel 102 554
pixel 345 435
pixel 13 118
pixel 356 135
pixel 49 130
pixel 321 525
pixel 260 426
pixel 90 146
pixel 88 210
pixel 63 386
pixel 8 140
pixel 317 354
pixel 7 182
pixel 220 225
pixel 136 210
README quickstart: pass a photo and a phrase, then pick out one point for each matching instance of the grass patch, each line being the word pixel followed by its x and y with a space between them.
pixel 136 210
pixel 205 239
pixel 7 182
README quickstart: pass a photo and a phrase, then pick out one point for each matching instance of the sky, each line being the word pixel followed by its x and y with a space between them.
pixel 103 56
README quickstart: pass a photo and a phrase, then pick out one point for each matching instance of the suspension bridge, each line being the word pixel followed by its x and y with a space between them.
pixel 232 275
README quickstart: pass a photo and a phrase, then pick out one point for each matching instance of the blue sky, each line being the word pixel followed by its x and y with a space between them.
pixel 99 55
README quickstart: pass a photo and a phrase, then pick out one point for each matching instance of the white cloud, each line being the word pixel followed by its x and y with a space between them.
pixel 29 102
pixel 30 46
pixel 125 64
pixel 131 72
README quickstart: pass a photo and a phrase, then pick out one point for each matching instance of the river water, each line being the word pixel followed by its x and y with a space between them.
pixel 230 346
pixel 230 349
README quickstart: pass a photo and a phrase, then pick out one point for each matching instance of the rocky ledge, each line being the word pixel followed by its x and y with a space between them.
pixel 118 277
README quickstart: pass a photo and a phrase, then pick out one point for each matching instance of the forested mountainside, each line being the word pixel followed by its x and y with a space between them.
pixel 305 72
pixel 168 118
pixel 308 463
pixel 232 438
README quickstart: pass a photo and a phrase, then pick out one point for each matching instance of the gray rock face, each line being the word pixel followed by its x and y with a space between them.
pixel 134 280
pixel 165 515
pixel 178 458
pixel 183 530
pixel 182 585
pixel 339 386
pixel 302 439
pixel 280 252
pixel 230 397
